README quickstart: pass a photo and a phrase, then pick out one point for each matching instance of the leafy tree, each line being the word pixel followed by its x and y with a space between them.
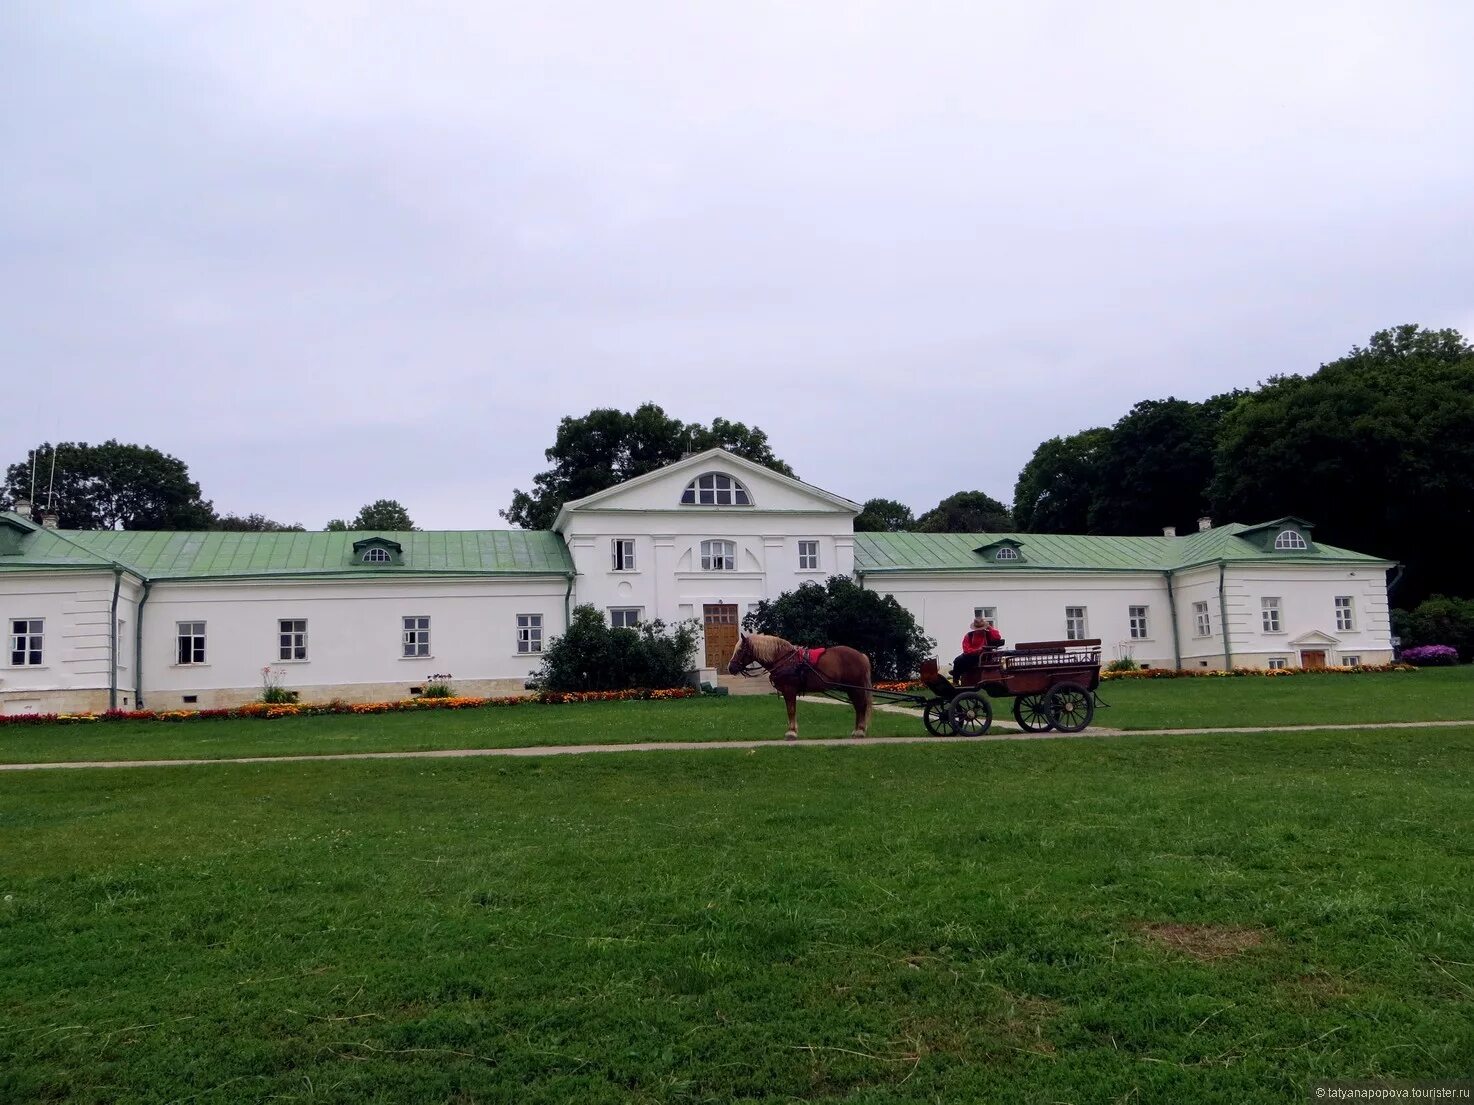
pixel 841 612
pixel 1376 448
pixel 112 486
pixel 608 446
pixel 590 656
pixel 252 523
pixel 884 516
pixel 381 514
pixel 1438 620
pixel 1056 488
pixel 967 512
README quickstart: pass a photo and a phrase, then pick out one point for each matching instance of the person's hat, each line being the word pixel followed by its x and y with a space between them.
pixel 980 623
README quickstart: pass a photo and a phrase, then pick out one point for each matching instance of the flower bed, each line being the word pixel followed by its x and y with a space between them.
pixel 1232 673
pixel 1431 656
pixel 271 710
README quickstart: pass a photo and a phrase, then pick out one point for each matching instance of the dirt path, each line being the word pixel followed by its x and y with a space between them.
pixel 694 746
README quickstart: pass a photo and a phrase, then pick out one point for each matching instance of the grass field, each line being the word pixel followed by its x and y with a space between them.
pixel 1432 695
pixel 1152 918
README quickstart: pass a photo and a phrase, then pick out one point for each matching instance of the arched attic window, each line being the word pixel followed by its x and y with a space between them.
pixel 1006 552
pixel 715 489
pixel 376 555
pixel 1289 540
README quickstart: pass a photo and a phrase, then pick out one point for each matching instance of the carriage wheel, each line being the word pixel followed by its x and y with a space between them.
pixel 1031 711
pixel 934 717
pixel 1070 707
pixel 971 714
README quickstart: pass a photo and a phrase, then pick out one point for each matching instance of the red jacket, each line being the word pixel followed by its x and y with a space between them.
pixel 978 639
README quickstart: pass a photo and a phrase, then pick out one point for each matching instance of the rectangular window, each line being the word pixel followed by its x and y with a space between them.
pixel 292 639
pixel 26 642
pixel 1351 661
pixel 718 556
pixel 191 643
pixel 1075 623
pixel 529 632
pixel 416 637
pixel 624 554
pixel 1137 617
pixel 1202 625
pixel 625 617
pixel 1269 610
pixel 808 556
pixel 989 612
pixel 1345 615
pixel 1277 663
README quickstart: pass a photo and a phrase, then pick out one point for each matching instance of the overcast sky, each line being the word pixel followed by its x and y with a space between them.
pixel 327 252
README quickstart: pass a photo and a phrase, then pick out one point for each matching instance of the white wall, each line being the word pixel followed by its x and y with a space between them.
pixel 1308 606
pixel 354 631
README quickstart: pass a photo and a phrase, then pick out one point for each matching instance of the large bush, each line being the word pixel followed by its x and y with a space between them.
pixel 591 656
pixel 1438 620
pixel 841 612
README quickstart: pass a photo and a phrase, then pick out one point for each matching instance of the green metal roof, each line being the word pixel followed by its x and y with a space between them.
pixel 195 555
pixel 921 552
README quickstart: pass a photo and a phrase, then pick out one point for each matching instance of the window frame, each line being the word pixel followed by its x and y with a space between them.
pixel 291 640
pixel 1006 552
pixel 529 634
pixel 1202 620
pixel 376 554
pixel 710 555
pixel 618 560
pixel 1352 661
pixel 1345 613
pixel 812 554
pixel 1271 619
pixel 410 641
pixel 198 650
pixel 1142 631
pixel 28 643
pixel 1290 540
pixel 1277 663
pixel 989 612
pixel 716 484
pixel 1080 632
pixel 637 611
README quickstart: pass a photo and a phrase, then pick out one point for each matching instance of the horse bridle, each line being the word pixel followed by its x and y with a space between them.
pixel 762 668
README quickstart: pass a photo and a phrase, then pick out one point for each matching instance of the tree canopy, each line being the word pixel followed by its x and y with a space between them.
pixel 112 486
pixel 608 446
pixel 966 512
pixel 884 516
pixel 1056 487
pixel 252 523
pixel 381 514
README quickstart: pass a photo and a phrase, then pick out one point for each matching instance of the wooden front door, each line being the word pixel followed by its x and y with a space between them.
pixel 1312 657
pixel 720 623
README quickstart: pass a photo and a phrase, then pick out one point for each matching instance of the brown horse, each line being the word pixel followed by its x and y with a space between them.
pixel 840 668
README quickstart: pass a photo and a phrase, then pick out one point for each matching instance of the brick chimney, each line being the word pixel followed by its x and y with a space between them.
pixel 22 507
pixel 1169 531
pixel 1205 524
pixel 49 521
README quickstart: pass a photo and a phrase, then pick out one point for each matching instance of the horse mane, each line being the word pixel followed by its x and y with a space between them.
pixel 767 649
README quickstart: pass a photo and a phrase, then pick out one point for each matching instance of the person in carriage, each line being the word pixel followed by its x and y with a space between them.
pixel 978 644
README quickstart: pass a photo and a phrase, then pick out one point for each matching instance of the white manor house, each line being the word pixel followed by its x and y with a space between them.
pixel 174 620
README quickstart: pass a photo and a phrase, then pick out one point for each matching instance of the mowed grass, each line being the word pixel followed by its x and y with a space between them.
pixel 1431 695
pixel 926 923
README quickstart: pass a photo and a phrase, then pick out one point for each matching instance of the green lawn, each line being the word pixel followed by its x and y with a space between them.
pixel 1433 695
pixel 927 923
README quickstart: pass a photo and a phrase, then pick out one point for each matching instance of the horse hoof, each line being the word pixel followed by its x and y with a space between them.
pixel 858 733
pixel 790 736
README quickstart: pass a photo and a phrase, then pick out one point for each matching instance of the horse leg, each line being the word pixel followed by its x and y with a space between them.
pixel 861 701
pixel 790 699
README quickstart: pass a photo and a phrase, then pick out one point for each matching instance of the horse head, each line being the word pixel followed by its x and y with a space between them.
pixel 741 655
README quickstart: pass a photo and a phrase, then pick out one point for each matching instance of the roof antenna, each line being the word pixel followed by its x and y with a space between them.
pixel 52 483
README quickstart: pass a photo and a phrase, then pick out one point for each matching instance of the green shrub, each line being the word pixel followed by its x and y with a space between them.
pixel 1438 620
pixel 272 691
pixel 590 656
pixel 438 687
pixel 1125 663
pixel 841 612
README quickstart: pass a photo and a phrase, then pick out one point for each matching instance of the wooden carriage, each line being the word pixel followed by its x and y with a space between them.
pixel 1052 684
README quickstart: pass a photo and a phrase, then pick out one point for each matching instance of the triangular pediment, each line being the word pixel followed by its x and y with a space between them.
pixel 669 489
pixel 1315 637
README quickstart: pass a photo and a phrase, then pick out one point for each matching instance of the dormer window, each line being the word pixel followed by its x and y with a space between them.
pixel 715 489
pixel 378 550
pixel 1289 540
pixel 1006 552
